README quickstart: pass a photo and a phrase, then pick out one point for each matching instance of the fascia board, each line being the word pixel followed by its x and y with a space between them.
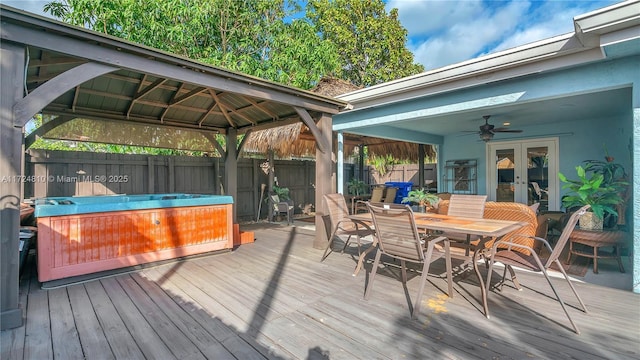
pixel 553 47
pixel 609 19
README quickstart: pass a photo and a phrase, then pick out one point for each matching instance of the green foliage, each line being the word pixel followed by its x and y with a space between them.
pixel 250 36
pixel 421 197
pixel 371 41
pixel 590 189
pixel 356 187
pixel 613 173
pixel 382 164
pixel 282 192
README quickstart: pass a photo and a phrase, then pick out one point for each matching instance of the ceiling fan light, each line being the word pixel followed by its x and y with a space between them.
pixel 486 136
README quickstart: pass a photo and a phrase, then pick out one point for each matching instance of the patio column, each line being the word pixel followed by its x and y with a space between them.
pixel 324 185
pixel 636 188
pixel 420 166
pixel 12 74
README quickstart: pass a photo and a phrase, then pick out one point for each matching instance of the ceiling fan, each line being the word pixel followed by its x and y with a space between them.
pixel 487 130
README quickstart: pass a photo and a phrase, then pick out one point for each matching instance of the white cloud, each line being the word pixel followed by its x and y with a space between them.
pixel 446 32
pixel 552 18
pixel 461 37
pixel 425 17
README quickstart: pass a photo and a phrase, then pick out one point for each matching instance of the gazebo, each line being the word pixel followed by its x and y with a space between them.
pixel 74 74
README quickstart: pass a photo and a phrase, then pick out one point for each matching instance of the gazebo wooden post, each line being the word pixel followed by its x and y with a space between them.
pixel 272 179
pixel 231 169
pixel 324 183
pixel 12 74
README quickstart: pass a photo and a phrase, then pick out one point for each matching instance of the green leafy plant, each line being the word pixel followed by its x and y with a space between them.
pixel 613 173
pixel 356 187
pixel 590 189
pixel 282 192
pixel 421 197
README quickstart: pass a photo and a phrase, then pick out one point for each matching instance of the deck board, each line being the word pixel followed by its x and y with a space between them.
pixel 274 299
pixel 64 333
pixel 122 343
pixel 203 340
pixel 94 343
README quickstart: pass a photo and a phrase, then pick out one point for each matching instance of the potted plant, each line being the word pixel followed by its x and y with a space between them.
pixel 422 198
pixel 590 189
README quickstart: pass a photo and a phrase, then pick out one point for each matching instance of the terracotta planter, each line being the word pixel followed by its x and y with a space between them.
pixel 589 221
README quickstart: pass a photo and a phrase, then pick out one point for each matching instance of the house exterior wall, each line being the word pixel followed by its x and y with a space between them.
pixel 580 138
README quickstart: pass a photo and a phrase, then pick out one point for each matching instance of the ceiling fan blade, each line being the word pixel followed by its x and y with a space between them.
pixel 506 130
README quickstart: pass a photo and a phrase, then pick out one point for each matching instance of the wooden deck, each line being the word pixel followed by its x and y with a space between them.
pixel 274 299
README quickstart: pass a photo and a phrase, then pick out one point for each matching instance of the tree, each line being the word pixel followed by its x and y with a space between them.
pixel 250 36
pixel 371 42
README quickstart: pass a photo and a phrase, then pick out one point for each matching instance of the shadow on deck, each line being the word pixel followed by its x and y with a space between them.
pixel 274 299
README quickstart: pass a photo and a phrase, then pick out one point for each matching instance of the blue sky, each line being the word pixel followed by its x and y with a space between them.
pixel 444 32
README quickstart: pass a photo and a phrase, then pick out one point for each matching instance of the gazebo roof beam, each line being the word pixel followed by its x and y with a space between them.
pixel 229 108
pixel 141 93
pixel 148 120
pixel 261 108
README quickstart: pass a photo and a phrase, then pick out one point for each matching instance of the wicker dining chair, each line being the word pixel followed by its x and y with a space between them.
pixel 341 224
pixel 503 252
pixel 398 238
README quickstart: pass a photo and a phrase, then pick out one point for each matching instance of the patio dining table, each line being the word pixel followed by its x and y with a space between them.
pixel 487 229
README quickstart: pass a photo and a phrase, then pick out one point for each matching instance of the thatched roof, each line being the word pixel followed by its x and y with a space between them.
pixel 296 139
pixel 330 86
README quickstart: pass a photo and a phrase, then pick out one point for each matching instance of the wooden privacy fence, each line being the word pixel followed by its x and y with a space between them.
pixel 68 173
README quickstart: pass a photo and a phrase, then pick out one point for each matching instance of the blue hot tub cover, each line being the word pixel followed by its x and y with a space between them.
pixel 60 206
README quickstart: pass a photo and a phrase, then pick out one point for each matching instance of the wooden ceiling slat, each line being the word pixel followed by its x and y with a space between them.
pixel 224 111
pixel 173 98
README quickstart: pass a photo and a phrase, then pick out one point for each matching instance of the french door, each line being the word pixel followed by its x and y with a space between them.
pixel 524 171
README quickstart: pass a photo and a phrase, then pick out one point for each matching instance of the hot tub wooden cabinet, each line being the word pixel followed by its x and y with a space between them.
pixel 83 235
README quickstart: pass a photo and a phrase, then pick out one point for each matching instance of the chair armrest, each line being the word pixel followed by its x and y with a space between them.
pixel 520 246
pixel 535 238
pixel 434 239
pixel 359 223
pixel 510 244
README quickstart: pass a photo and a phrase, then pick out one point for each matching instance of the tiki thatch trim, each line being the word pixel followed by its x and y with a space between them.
pixel 295 140
pixel 330 86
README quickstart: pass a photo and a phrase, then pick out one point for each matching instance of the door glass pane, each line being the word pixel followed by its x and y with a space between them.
pixel 505 166
pixel 538 176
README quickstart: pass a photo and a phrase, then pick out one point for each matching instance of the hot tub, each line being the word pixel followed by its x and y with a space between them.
pixel 89 234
